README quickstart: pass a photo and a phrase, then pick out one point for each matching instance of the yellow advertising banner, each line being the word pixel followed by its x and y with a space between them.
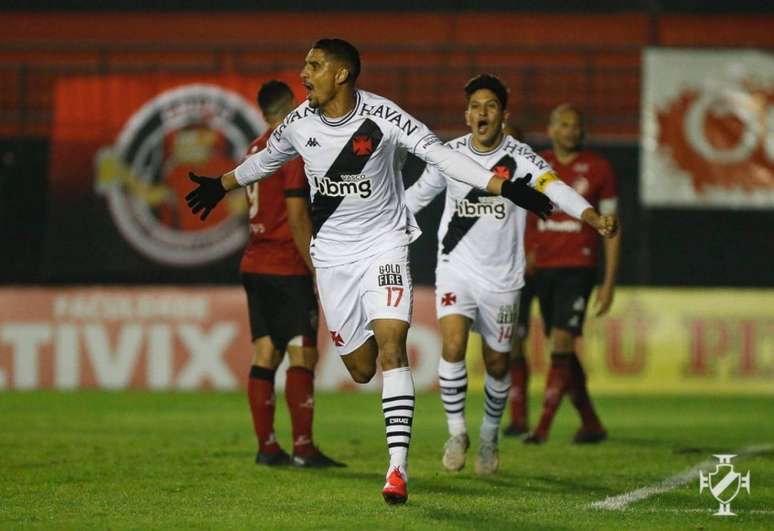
pixel 670 341
pixel 654 341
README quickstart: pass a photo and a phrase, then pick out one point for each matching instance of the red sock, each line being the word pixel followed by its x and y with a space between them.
pixel 518 393
pixel 579 394
pixel 556 386
pixel 260 393
pixel 299 393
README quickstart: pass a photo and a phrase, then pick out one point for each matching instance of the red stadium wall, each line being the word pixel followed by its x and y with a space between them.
pixel 420 59
pixel 362 28
pixel 633 29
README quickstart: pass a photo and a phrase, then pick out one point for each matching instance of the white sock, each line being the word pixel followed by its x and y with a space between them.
pixel 453 380
pixel 495 398
pixel 398 408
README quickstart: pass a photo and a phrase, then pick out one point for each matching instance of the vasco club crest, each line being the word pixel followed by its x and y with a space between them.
pixel 724 483
pixel 144 175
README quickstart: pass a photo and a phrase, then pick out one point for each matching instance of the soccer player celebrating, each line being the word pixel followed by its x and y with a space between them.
pixel 565 261
pixel 481 262
pixel 352 143
pixel 280 296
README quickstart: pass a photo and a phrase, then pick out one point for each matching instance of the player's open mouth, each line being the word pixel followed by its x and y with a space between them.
pixel 483 125
pixel 309 88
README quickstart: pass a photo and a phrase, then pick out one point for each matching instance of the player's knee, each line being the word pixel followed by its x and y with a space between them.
pixel 302 356
pixel 497 368
pixel 392 355
pixel 454 346
pixel 562 340
pixel 362 375
pixel 265 354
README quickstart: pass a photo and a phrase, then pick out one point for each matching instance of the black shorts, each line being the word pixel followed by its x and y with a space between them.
pixel 281 307
pixel 528 293
pixel 564 294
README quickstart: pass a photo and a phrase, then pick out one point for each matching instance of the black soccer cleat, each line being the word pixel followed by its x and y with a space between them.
pixel 315 460
pixel 589 437
pixel 515 430
pixel 280 458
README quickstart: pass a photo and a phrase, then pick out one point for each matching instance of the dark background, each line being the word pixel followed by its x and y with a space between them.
pixel 44 241
pixel 581 6
pixel 660 246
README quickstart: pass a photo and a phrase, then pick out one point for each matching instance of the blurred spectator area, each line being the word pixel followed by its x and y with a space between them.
pixel 420 60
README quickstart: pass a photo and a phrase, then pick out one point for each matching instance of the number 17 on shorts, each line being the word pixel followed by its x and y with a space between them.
pixel 393 287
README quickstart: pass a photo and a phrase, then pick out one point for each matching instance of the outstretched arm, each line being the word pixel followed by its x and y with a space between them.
pixel 430 184
pixel 425 145
pixel 576 205
pixel 461 168
pixel 211 190
pixel 604 297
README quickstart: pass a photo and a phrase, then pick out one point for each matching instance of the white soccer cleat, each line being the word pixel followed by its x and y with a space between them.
pixel 488 458
pixel 454 452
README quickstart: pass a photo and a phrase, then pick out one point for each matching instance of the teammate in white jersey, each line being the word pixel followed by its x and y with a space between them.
pixel 481 262
pixel 353 144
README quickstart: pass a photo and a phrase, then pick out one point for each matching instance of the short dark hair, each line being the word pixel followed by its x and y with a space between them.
pixel 343 51
pixel 272 94
pixel 489 82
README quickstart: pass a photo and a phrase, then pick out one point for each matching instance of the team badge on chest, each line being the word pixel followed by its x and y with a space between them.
pixel 362 145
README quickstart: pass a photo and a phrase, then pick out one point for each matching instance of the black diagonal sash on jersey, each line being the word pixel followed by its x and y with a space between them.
pixel 347 163
pixel 458 225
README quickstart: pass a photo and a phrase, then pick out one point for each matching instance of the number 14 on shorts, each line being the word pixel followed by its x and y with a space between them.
pixel 505 333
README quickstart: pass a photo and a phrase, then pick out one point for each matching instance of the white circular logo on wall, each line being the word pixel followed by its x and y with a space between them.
pixel 144 176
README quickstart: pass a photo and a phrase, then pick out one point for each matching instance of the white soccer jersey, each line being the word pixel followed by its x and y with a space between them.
pixel 353 167
pixel 481 235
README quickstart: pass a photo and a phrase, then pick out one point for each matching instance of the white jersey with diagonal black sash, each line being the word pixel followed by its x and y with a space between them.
pixel 353 168
pixel 481 235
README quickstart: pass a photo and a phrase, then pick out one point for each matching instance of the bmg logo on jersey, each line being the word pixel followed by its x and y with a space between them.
pixel 347 185
pixel 488 206
pixel 390 275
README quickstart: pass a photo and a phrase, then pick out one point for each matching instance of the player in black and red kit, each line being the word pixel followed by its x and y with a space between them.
pixel 276 273
pixel 565 254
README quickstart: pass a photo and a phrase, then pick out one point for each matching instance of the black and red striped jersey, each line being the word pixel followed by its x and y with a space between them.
pixel 271 249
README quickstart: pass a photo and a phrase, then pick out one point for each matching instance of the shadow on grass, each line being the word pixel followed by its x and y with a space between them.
pixel 471 484
pixel 469 518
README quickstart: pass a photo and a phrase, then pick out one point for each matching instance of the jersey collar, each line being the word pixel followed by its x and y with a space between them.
pixel 484 153
pixel 344 119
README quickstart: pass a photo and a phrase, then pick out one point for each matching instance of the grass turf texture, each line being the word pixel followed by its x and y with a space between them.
pixel 143 460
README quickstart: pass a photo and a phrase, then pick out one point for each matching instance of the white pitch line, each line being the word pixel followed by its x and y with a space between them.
pixel 617 503
pixel 709 511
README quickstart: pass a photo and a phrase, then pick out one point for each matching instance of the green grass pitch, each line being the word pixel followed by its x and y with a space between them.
pixel 134 460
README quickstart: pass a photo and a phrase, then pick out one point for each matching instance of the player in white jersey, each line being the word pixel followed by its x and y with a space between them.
pixel 481 262
pixel 353 144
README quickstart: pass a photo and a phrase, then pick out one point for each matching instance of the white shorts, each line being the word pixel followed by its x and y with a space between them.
pixel 353 295
pixel 493 313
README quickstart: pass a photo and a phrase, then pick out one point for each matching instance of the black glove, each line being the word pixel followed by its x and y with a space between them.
pixel 523 195
pixel 206 196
